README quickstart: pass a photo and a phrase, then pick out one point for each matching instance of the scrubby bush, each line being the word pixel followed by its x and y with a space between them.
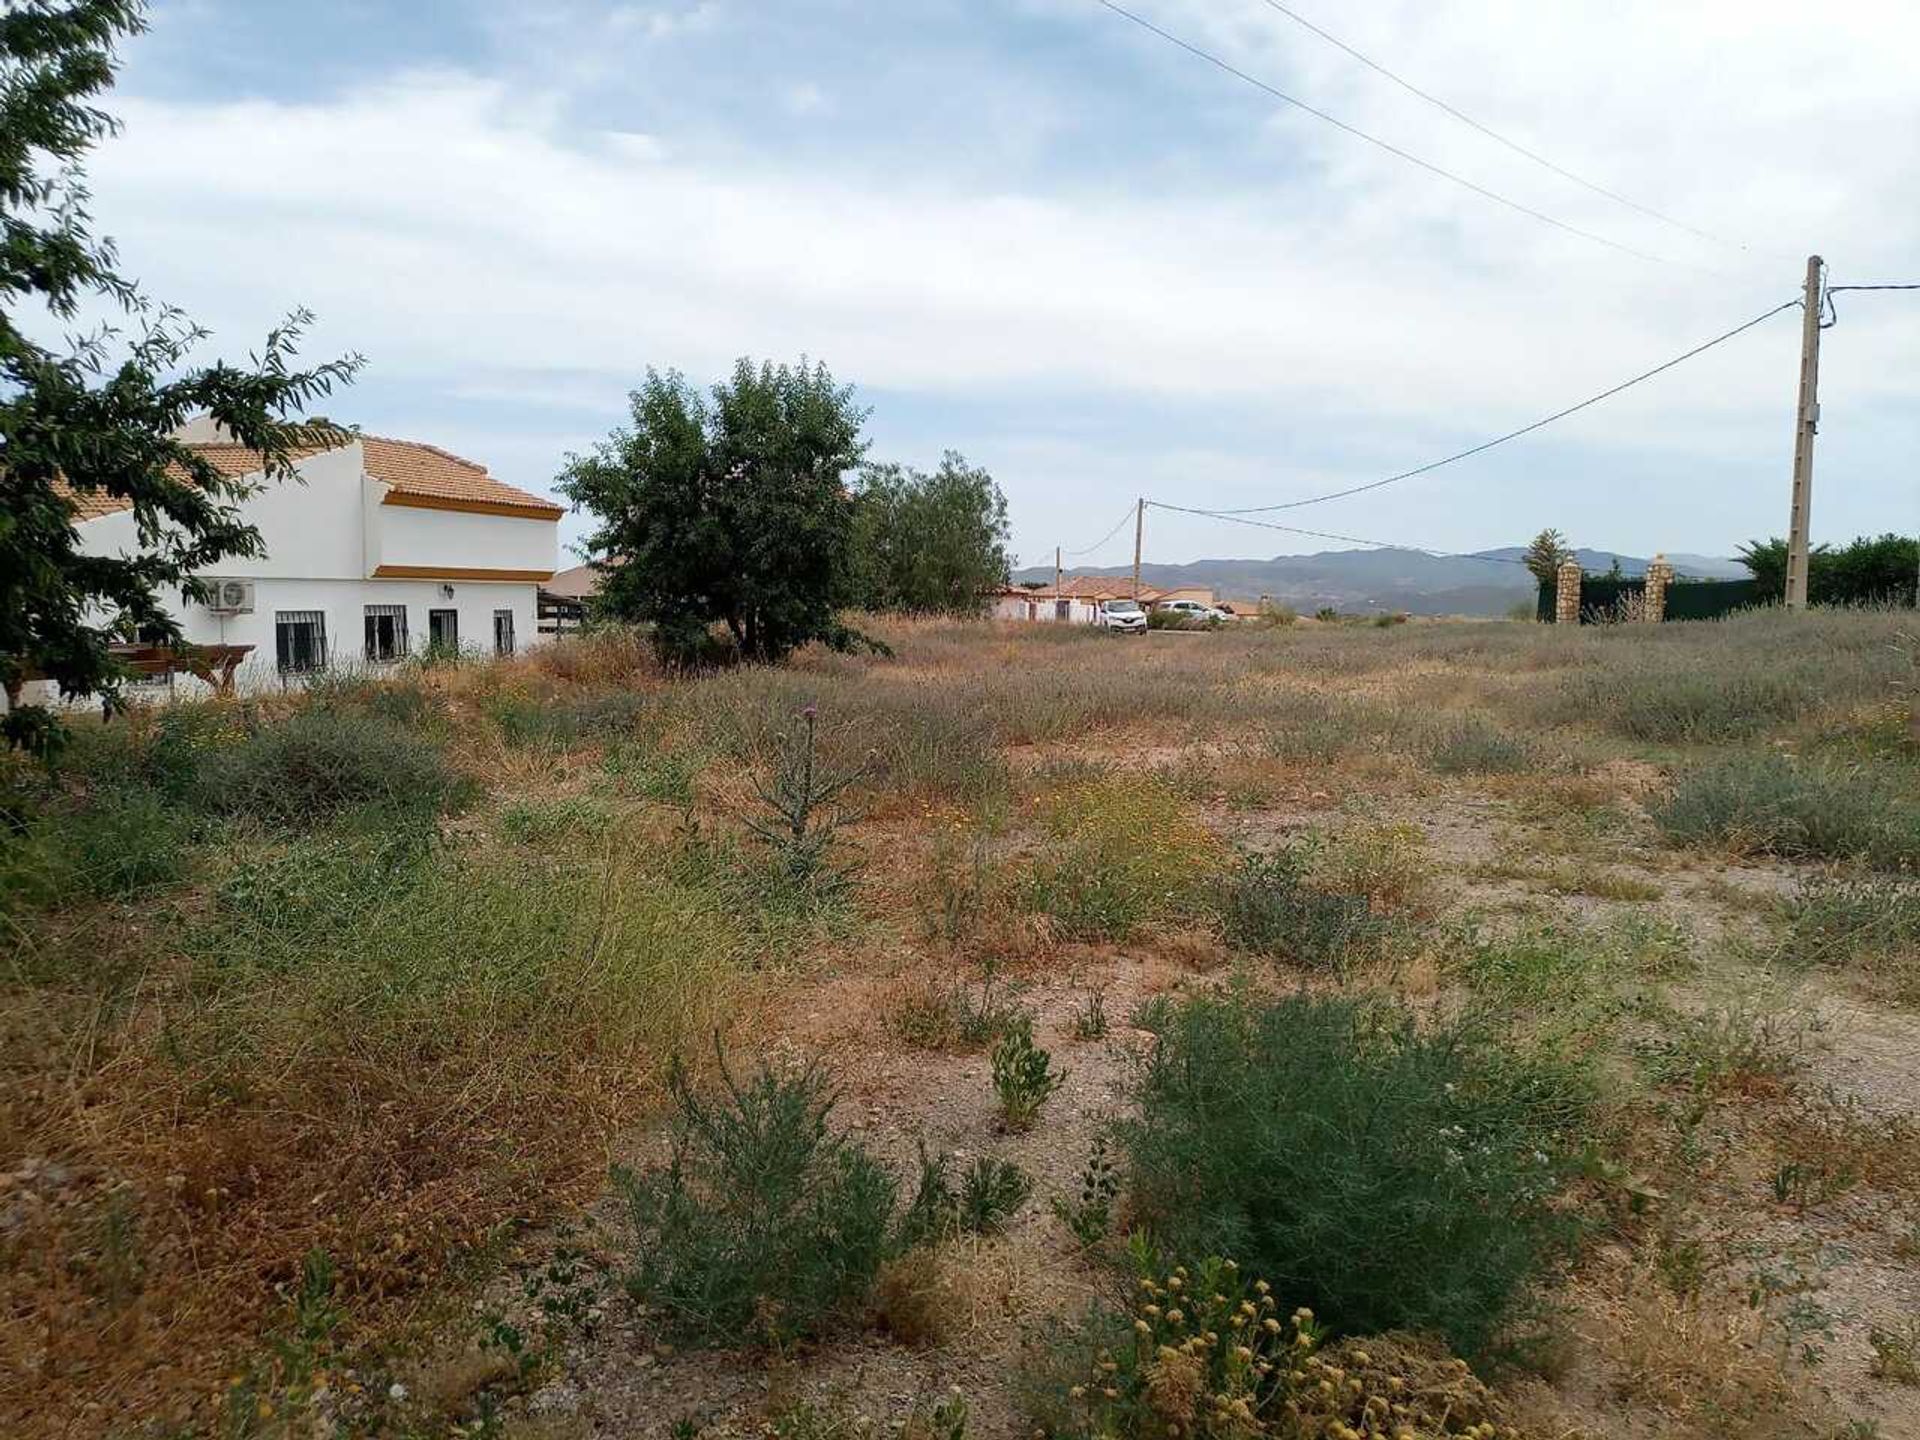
pixel 1868 926
pixel 1306 725
pixel 764 1225
pixel 1677 699
pixel 1473 745
pixel 1120 852
pixel 1390 1177
pixel 315 765
pixel 1269 907
pixel 991 1192
pixel 558 721
pixel 1777 805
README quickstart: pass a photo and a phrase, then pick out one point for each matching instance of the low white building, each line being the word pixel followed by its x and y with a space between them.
pixel 378 549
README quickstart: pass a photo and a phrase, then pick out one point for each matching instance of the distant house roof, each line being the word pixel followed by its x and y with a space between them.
pixel 416 473
pixel 580 583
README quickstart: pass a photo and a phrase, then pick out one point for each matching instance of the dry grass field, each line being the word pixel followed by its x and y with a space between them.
pixel 555 1048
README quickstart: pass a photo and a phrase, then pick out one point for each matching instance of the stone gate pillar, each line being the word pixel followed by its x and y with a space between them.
pixel 1566 594
pixel 1659 577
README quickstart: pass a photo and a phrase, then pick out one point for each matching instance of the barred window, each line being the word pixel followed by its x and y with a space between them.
pixel 300 639
pixel 386 632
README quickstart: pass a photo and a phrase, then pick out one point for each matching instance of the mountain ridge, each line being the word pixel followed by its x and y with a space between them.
pixel 1486 582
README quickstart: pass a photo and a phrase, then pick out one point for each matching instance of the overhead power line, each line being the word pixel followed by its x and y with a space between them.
pixel 1089 549
pixel 1374 140
pixel 1833 311
pixel 1240 519
pixel 1539 424
pixel 1493 134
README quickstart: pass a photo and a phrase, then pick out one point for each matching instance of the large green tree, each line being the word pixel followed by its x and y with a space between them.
pixel 97 415
pixel 928 543
pixel 729 509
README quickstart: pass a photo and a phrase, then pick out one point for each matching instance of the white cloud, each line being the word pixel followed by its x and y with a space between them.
pixel 806 98
pixel 454 230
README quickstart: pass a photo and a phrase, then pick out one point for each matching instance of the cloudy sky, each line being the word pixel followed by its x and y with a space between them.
pixel 1032 231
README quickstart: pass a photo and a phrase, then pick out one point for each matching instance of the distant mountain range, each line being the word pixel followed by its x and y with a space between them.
pixel 1388 580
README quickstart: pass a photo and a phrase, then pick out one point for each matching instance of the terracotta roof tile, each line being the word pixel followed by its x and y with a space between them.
pixel 409 466
pixel 415 468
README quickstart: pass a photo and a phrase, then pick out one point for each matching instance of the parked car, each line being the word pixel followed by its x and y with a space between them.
pixel 1193 610
pixel 1124 616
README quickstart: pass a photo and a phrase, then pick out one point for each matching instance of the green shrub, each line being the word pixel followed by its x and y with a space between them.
pixel 541 822
pixel 1472 745
pixel 991 1192
pixel 1391 1177
pixel 1023 1075
pixel 1270 908
pixel 764 1225
pixel 316 765
pixel 122 844
pixel 1868 926
pixel 128 842
pixel 1119 853
pixel 1777 805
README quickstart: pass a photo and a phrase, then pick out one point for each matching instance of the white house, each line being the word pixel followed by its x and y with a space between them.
pixel 378 549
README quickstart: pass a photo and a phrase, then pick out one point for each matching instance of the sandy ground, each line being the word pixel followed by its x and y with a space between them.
pixel 1850 1254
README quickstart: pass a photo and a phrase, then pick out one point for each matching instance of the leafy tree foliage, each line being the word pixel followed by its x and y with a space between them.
pixel 1546 554
pixel 929 544
pixel 730 510
pixel 1869 571
pixel 99 416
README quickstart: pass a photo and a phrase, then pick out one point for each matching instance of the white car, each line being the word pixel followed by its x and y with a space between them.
pixel 1124 616
pixel 1194 610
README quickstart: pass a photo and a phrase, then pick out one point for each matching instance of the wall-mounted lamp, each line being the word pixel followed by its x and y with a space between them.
pixel 446 592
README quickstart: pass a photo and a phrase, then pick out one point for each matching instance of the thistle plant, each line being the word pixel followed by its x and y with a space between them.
pixel 1023 1075
pixel 801 816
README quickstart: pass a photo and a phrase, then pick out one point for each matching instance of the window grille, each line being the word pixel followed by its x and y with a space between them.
pixel 300 639
pixel 386 632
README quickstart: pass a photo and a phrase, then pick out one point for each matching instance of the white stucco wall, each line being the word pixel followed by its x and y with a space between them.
pixel 404 535
pixel 324 535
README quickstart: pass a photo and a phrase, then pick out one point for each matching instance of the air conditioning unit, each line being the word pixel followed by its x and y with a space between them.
pixel 230 597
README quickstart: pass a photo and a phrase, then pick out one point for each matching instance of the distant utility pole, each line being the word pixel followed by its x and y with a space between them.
pixel 1805 421
pixel 1139 528
pixel 1056 574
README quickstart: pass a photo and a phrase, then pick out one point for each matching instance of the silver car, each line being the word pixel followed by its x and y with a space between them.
pixel 1125 616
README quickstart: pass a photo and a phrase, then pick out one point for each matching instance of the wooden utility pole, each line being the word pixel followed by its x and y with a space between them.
pixel 1139 528
pixel 1056 572
pixel 1806 420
